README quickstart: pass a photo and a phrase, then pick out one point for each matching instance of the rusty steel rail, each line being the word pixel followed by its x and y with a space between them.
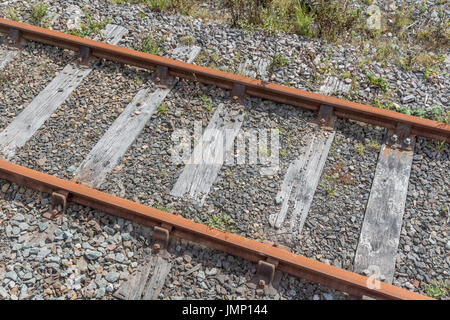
pixel 297 265
pixel 252 87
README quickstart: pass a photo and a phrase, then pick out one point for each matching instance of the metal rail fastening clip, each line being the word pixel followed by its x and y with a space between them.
pixel 85 54
pixel 325 118
pixel 58 203
pixel 162 76
pixel 161 237
pixel 16 37
pixel 401 138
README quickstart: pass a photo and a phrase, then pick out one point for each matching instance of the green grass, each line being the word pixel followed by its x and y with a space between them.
pixel 38 13
pixel 437 289
pixel 378 83
pixel 150 45
pixel 278 61
pixel 360 148
pixel 303 20
pixel 331 191
pixel 12 14
pixel 218 222
pixel 90 28
pixel 162 109
pixel 168 208
pixel 374 145
pixel 207 103
pixel 187 40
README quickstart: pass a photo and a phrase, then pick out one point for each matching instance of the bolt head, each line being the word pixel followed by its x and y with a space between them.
pixel 407 141
pixel 156 247
pixel 235 98
pixel 394 137
pixel 261 284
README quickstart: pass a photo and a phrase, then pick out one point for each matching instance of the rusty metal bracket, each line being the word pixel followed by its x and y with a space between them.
pixel 161 236
pixel 266 276
pixel 325 118
pixel 238 93
pixel 58 203
pixel 16 36
pixel 162 75
pixel 85 54
pixel 266 272
pixel 401 138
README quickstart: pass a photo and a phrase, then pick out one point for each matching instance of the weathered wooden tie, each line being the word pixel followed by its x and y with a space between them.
pixel 301 180
pixel 303 174
pixel 108 151
pixel 380 232
pixel 206 161
pixel 147 282
pixel 6 56
pixel 22 128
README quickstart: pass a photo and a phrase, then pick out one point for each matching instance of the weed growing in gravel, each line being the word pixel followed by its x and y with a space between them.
pixel 402 17
pixel 436 113
pixel 378 83
pixel 334 177
pixel 335 17
pixel 360 148
pixel 331 192
pixel 150 45
pixel 138 81
pixel 90 28
pixel 424 62
pixel 12 14
pixel 438 146
pixel 187 40
pixel 162 109
pixel 168 208
pixel 38 12
pixel 207 103
pixel 374 145
pixel 158 5
pixel 218 222
pixel 435 35
pixel 438 289
pixel 207 59
pixel 278 61
pixel 384 51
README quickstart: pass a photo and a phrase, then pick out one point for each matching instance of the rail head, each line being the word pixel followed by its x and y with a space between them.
pixel 253 87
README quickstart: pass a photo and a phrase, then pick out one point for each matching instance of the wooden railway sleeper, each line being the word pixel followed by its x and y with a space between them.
pixel 58 204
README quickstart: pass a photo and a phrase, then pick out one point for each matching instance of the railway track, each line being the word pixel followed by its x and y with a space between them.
pixel 195 183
